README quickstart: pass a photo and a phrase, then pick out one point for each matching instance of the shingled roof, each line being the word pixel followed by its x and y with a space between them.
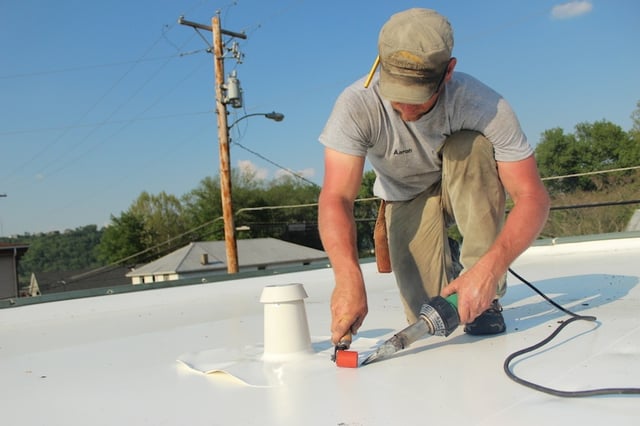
pixel 210 256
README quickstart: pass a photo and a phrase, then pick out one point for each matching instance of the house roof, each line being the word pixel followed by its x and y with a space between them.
pixel 137 358
pixel 53 282
pixel 11 248
pixel 251 253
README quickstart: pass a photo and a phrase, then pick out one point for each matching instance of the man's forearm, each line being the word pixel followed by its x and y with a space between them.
pixel 477 287
pixel 522 227
pixel 348 300
pixel 338 232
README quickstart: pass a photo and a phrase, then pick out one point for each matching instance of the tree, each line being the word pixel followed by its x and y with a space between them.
pixel 558 154
pixel 298 222
pixel 162 220
pixel 606 147
pixel 122 239
pixel 61 251
pixel 365 213
pixel 204 205
pixel 152 226
pixel 593 147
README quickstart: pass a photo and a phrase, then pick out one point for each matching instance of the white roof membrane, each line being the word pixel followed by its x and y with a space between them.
pixel 141 357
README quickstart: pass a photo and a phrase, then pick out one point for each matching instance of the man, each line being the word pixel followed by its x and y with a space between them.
pixel 444 147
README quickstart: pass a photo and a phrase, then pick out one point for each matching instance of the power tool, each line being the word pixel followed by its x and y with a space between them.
pixel 438 317
pixel 342 356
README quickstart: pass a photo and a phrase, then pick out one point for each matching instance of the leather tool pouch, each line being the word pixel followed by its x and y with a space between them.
pixel 381 244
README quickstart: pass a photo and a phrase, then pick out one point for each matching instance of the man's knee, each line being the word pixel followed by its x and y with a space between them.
pixel 460 145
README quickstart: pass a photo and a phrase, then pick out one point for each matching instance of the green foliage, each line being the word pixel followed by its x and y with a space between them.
pixel 558 154
pixel 366 186
pixel 203 205
pixel 289 213
pixel 122 239
pixel 151 227
pixel 593 220
pixel 593 147
pixel 60 251
pixel 366 213
pixel 162 220
pixel 157 224
pixel 607 146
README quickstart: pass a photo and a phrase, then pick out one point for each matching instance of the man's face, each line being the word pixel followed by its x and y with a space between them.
pixel 412 112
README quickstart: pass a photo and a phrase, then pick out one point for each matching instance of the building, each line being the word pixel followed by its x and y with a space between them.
pixel 10 255
pixel 63 281
pixel 201 259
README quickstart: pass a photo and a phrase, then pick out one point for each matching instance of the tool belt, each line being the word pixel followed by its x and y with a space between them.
pixel 380 241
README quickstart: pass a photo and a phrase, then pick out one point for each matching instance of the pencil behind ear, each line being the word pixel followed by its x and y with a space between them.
pixel 372 72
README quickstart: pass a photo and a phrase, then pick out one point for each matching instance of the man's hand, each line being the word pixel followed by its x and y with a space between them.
pixel 476 289
pixel 342 178
pixel 348 310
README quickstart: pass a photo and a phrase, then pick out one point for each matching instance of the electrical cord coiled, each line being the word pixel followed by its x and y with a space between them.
pixel 556 392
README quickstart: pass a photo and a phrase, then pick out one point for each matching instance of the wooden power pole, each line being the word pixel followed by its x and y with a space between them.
pixel 223 137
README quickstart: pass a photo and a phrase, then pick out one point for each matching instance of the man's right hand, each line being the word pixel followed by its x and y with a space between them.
pixel 342 179
pixel 348 310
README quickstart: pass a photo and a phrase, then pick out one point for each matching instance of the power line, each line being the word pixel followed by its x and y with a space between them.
pixel 592 173
pixel 85 67
pixel 603 204
pixel 57 160
pixel 104 123
pixel 122 178
pixel 75 159
pixel 299 176
pixel 77 122
pixel 49 145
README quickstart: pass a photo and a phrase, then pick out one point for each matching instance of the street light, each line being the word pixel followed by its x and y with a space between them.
pixel 275 116
pixel 225 184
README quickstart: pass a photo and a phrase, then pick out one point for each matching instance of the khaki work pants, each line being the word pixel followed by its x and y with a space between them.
pixel 470 195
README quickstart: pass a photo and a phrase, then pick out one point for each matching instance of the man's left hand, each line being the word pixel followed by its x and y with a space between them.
pixel 476 289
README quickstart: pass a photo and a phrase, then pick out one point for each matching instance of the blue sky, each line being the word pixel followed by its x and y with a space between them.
pixel 103 100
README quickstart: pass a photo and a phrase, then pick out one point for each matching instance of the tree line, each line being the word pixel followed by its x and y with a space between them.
pixel 156 224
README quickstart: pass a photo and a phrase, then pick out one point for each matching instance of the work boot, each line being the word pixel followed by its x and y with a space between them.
pixel 454 247
pixel 490 321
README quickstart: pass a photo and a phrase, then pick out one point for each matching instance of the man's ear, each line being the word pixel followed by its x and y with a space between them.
pixel 450 68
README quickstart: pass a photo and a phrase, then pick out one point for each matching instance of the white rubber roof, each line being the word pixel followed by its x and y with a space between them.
pixel 142 358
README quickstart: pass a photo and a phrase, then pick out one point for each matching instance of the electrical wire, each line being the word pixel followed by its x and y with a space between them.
pixel 291 172
pixel 551 391
pixel 621 169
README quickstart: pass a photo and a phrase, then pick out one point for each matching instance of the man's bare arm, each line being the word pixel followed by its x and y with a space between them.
pixel 476 288
pixel 343 175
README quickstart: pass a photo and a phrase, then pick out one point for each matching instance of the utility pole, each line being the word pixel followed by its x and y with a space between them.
pixel 223 136
pixel 1 230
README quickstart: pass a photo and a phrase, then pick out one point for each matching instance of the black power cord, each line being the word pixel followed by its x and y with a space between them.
pixel 569 394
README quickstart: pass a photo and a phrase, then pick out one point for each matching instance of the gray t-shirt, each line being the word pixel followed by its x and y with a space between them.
pixel 404 155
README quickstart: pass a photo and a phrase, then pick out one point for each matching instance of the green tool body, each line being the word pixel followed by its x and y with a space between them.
pixel 438 317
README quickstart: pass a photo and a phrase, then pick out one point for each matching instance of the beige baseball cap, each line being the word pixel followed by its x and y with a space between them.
pixel 414 48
